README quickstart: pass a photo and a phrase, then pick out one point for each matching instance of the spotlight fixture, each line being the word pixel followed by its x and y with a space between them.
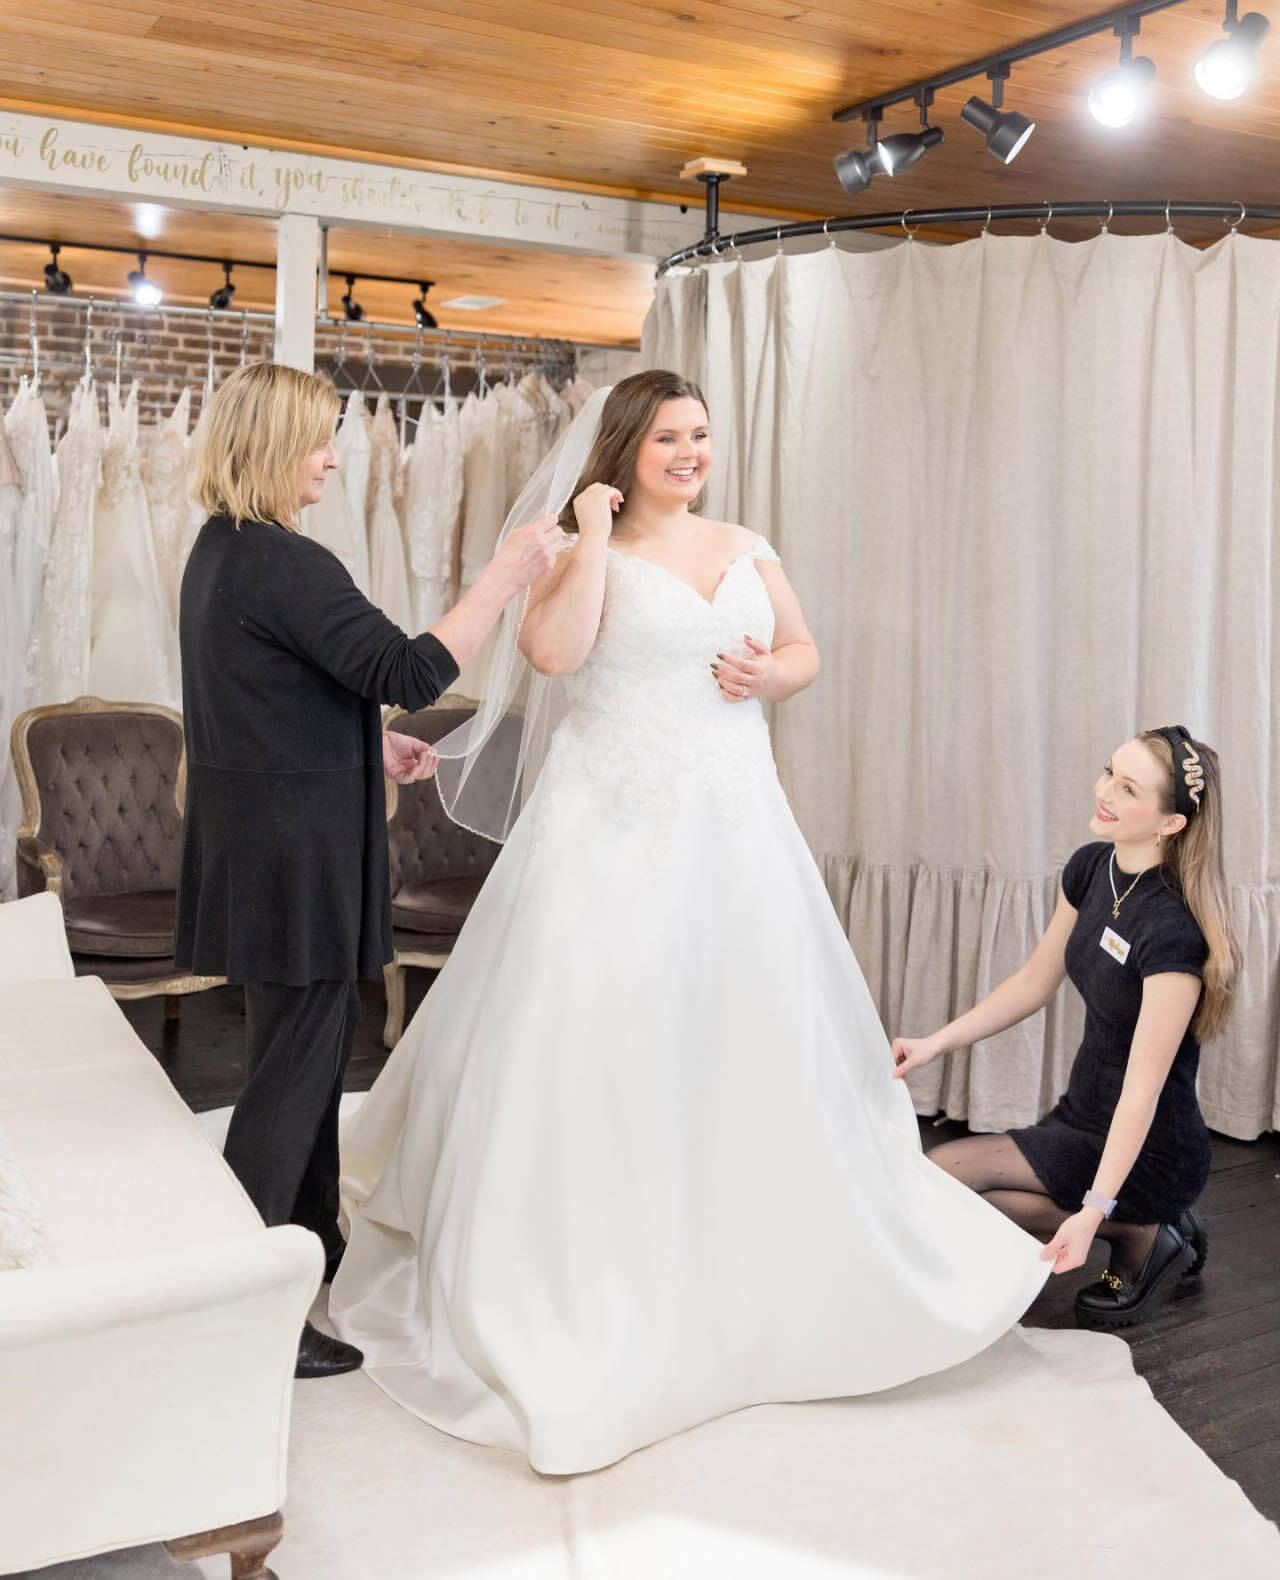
pixel 145 292
pixel 350 306
pixel 1006 132
pixel 1118 96
pixel 426 319
pixel 1230 64
pixel 56 281
pixel 220 300
pixel 857 167
pixel 900 152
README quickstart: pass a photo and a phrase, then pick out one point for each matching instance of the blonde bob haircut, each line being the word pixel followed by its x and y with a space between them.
pixel 260 425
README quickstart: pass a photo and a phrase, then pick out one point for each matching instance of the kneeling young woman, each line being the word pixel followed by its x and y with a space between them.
pixel 1143 929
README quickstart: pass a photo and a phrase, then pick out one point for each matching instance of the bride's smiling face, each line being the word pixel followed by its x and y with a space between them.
pixel 675 454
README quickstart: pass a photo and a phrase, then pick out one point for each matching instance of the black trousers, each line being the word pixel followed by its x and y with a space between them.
pixel 282 1143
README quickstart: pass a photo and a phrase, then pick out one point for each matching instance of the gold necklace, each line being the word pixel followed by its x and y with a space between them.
pixel 1119 898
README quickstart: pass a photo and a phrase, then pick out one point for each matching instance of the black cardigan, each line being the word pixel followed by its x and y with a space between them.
pixel 284 663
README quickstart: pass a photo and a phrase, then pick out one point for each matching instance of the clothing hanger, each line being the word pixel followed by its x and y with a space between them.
pixel 35 345
pixel 369 380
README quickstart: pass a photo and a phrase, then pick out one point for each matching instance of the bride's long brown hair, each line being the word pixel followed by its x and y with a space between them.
pixel 628 414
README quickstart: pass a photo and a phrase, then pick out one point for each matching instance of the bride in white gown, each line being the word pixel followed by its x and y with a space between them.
pixel 640 1159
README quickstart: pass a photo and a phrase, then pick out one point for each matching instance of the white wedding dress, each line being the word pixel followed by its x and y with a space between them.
pixel 639 1159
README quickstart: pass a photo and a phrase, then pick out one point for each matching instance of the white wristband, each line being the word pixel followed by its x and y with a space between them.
pixel 1104 1204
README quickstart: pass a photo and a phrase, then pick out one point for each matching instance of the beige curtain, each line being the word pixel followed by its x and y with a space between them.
pixel 1027 492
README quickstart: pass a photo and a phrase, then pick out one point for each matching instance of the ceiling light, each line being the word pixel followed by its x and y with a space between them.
pixel 1006 131
pixel 220 300
pixel 474 304
pixel 145 292
pixel 857 167
pixel 900 152
pixel 56 281
pixel 350 306
pixel 1118 96
pixel 426 319
pixel 1230 64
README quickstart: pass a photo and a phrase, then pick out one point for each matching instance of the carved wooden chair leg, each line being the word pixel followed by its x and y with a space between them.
pixel 393 977
pixel 248 1543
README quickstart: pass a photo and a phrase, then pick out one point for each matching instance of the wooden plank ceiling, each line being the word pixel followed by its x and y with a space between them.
pixel 615 95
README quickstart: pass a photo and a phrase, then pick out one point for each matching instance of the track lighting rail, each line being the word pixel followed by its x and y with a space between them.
pixel 1232 213
pixel 1107 22
pixel 220 262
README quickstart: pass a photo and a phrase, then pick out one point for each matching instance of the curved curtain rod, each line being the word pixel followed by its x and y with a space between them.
pixel 1233 213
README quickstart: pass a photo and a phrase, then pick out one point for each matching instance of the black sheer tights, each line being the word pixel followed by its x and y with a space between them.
pixel 996 1169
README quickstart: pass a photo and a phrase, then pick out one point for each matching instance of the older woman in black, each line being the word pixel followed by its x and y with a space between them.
pixel 285 883
pixel 1143 930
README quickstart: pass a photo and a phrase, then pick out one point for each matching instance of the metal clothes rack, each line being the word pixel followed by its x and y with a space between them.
pixel 365 355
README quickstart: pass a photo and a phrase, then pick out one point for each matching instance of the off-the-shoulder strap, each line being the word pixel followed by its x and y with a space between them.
pixel 762 550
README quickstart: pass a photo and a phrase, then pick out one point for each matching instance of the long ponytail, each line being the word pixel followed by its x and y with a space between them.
pixel 1194 857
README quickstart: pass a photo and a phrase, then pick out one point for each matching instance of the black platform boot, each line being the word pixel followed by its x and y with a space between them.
pixel 1116 1300
pixel 1197 1237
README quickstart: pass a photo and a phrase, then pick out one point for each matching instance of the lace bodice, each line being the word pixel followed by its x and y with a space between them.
pixel 645 710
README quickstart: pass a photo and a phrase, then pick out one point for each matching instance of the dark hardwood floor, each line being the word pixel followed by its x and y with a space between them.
pixel 1210 1352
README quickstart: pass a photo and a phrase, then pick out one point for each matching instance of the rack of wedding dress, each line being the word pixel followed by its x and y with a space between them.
pixel 95 528
pixel 415 519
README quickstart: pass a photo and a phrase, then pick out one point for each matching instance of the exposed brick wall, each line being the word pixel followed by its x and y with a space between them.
pixel 167 351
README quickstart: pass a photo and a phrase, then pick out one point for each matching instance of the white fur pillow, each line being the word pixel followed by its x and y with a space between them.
pixel 21 1227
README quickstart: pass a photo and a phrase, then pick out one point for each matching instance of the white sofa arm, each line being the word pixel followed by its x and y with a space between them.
pixel 33 940
pixel 148 1400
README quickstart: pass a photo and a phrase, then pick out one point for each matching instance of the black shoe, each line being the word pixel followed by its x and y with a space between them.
pixel 322 1356
pixel 332 1262
pixel 1197 1237
pixel 1115 1300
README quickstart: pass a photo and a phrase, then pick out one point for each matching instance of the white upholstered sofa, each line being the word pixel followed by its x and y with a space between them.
pixel 148 1320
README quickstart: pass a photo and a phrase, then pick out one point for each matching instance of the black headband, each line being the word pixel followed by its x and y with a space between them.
pixel 1188 770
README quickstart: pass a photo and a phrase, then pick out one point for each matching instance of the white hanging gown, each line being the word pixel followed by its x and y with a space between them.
pixel 164 481
pixel 388 574
pixel 26 430
pixel 354 447
pixel 61 653
pixel 133 653
pixel 433 505
pixel 639 1160
pixel 12 656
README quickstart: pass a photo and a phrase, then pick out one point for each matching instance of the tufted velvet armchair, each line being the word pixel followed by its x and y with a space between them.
pixel 102 787
pixel 437 867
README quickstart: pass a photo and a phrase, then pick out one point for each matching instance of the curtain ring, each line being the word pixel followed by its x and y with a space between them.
pixel 778 239
pixel 986 224
pixel 1168 218
pixel 1048 219
pixel 902 220
pixel 831 241
pixel 1234 225
pixel 1111 214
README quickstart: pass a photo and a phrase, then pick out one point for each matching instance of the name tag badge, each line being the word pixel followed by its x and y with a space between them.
pixel 1115 946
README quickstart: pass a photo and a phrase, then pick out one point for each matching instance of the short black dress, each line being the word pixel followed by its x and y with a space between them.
pixel 1154 932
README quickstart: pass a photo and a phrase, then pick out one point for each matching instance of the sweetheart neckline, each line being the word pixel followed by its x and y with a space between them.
pixel 664 570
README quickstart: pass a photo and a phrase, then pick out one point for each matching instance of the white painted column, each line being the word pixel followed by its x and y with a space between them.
pixel 297 253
